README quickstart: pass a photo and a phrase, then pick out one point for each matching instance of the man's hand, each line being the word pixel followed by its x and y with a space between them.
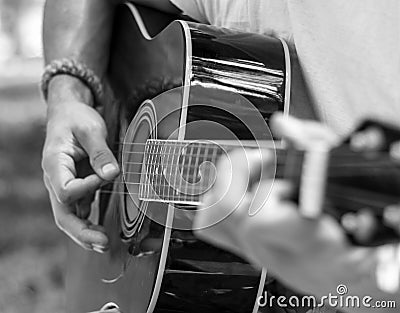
pixel 373 139
pixel 313 256
pixel 75 132
pixel 80 30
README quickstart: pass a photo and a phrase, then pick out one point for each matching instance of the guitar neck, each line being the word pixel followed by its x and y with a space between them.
pixel 181 172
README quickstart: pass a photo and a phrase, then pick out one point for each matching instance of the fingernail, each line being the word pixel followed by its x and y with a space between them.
pixel 349 222
pixel 98 248
pixel 109 169
pixel 391 215
pixel 369 139
pixel 395 150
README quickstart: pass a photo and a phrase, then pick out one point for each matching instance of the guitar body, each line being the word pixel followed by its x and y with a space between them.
pixel 220 85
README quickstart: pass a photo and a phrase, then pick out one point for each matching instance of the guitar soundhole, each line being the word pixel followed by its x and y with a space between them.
pixel 142 128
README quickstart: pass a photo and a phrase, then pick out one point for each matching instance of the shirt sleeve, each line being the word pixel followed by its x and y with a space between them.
pixel 222 13
pixel 191 8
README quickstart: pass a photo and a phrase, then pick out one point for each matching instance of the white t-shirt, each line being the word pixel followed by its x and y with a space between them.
pixel 348 50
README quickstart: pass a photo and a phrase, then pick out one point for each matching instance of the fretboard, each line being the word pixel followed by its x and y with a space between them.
pixel 181 171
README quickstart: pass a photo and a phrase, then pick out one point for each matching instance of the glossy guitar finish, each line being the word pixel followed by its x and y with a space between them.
pixel 150 267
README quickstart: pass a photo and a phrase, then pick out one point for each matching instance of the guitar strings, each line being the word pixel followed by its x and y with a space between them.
pixel 356 171
pixel 213 145
pixel 357 163
pixel 338 157
pixel 153 178
pixel 155 186
pixel 137 194
pixel 183 166
pixel 195 185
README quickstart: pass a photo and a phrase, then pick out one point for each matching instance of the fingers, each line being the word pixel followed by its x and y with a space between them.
pixel 59 168
pixel 88 236
pixel 75 131
pixel 237 172
pixel 238 175
pixel 373 139
pixel 302 134
pixel 370 139
pixel 278 234
pixel 238 232
pixel 83 206
pixel 217 226
pixel 391 217
pixel 101 158
pixel 395 151
pixel 280 214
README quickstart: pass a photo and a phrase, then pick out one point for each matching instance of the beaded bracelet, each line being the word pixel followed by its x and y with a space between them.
pixel 76 69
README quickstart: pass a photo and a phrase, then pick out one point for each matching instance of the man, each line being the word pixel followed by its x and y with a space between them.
pixel 345 78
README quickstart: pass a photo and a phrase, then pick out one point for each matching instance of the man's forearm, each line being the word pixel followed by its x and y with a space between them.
pixel 79 29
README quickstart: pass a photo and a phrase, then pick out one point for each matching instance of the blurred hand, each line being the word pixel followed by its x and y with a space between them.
pixel 256 219
pixel 76 131
pixel 373 139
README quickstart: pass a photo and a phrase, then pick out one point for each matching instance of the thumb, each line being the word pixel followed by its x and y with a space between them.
pixel 101 158
pixel 302 134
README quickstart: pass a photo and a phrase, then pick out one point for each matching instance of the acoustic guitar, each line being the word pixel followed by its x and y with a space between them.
pixel 182 94
pixel 214 84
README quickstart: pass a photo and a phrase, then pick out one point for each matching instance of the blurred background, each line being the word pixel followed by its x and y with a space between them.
pixel 32 253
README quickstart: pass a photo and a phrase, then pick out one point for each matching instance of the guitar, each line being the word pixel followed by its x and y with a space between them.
pixel 182 95
pixel 155 264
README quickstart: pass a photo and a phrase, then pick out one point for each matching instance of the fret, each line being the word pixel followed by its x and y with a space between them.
pixel 172 164
pixel 197 188
pixel 177 175
pixel 159 175
pixel 146 169
pixel 207 172
pixel 147 181
pixel 151 190
pixel 160 167
pixel 214 157
pixel 162 172
pixel 196 170
pixel 188 171
pixel 176 171
pixel 169 175
pixel 142 176
pixel 152 171
pixel 182 168
pixel 180 162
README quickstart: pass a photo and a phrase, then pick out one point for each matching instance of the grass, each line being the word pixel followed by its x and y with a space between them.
pixel 31 247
